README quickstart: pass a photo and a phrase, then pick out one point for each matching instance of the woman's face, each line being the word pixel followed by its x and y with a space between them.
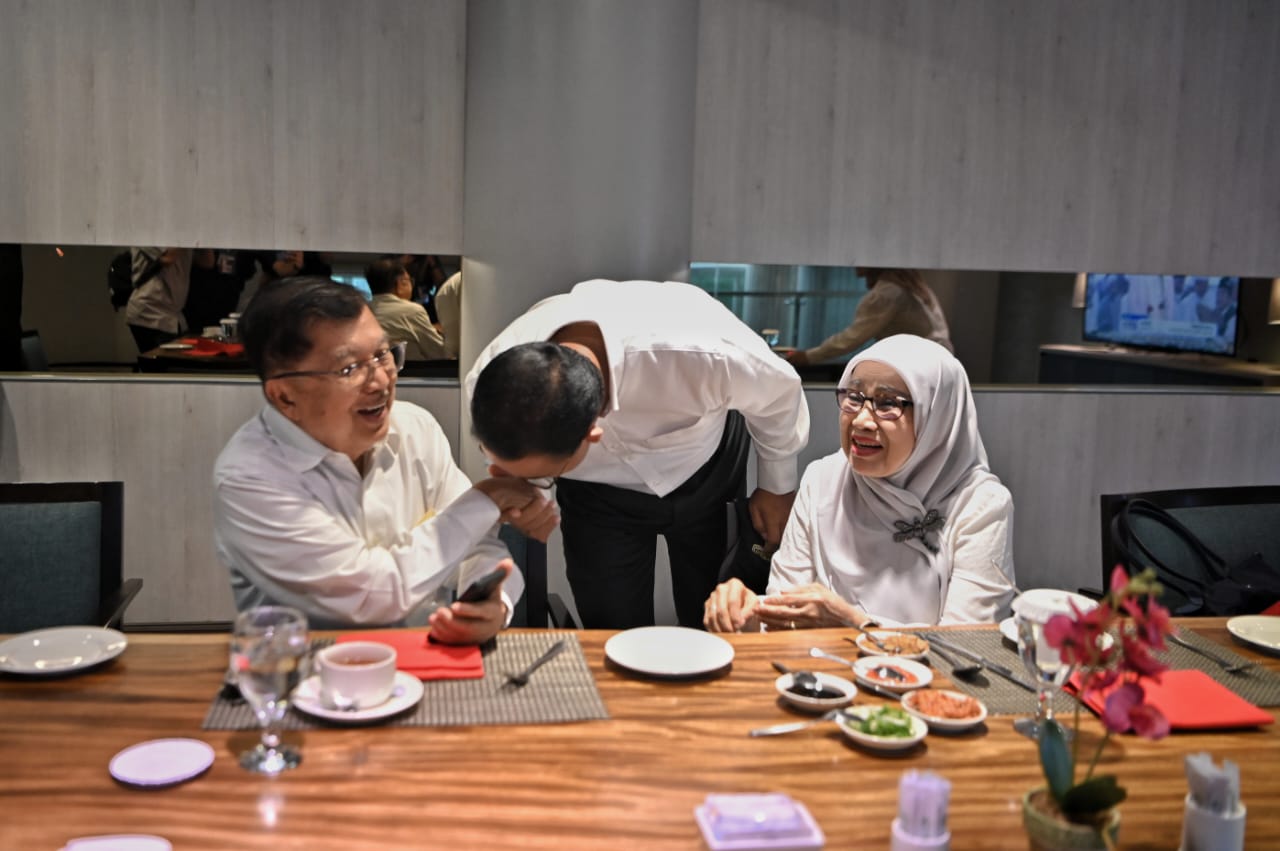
pixel 877 447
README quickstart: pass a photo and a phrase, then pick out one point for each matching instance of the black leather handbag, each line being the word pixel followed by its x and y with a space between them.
pixel 1200 582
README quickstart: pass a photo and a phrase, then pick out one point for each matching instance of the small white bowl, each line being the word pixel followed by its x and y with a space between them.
pixel 851 716
pixel 950 725
pixel 869 649
pixel 848 691
pixel 918 675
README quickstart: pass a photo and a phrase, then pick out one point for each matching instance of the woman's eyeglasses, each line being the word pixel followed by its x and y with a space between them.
pixel 883 406
pixel 356 373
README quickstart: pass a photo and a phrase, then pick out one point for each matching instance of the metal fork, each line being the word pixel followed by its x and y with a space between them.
pixel 522 678
pixel 1225 664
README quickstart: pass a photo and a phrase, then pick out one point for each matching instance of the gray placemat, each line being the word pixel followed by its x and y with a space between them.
pixel 561 690
pixel 1256 685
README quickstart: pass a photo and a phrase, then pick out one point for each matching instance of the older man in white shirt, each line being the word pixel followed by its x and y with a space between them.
pixel 341 501
pixel 634 395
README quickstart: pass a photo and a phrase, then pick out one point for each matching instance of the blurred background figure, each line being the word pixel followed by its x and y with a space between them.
pixel 217 279
pixel 449 312
pixel 403 320
pixel 898 301
pixel 154 313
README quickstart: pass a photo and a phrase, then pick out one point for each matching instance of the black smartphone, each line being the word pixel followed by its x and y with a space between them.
pixel 483 587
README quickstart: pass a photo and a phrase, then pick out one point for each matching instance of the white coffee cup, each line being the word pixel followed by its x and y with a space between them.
pixel 230 328
pixel 212 331
pixel 356 674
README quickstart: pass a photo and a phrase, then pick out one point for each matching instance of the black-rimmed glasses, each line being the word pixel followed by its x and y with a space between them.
pixel 884 406
pixel 356 373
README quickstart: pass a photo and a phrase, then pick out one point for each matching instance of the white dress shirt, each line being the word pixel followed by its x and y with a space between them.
pixel 296 523
pixel 901 590
pixel 679 361
pixel 158 302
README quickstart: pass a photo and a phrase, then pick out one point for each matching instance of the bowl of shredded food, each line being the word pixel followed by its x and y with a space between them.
pixel 882 728
pixel 943 710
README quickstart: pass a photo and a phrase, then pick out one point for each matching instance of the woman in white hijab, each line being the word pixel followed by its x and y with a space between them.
pixel 905 524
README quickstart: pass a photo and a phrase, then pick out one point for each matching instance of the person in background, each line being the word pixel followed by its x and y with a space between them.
pixel 154 312
pixel 898 301
pixel 217 279
pixel 404 321
pixel 906 524
pixel 641 400
pixel 449 309
pixel 345 503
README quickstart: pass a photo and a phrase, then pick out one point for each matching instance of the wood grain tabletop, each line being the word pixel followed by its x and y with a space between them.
pixel 628 782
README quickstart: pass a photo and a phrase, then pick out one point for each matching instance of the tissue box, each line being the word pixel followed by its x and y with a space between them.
pixel 746 822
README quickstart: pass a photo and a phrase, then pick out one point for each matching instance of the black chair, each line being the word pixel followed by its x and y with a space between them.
pixel 537 608
pixel 33 357
pixel 60 555
pixel 1233 522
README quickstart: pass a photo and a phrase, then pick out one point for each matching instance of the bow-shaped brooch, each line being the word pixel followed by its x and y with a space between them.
pixel 918 528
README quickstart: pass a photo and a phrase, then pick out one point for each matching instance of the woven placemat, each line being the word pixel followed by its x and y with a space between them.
pixel 1256 685
pixel 562 690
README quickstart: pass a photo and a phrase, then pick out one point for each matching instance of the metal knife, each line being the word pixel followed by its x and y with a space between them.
pixel 994 667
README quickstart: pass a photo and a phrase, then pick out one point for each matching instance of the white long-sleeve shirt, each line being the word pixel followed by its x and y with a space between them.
pixel 679 361
pixel 977 541
pixel 296 524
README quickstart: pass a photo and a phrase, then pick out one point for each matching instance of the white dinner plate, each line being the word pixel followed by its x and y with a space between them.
pixel 669 651
pixel 161 762
pixel 1260 630
pixel 60 650
pixel 848 717
pixel 119 842
pixel 405 693
pixel 177 347
pixel 1009 629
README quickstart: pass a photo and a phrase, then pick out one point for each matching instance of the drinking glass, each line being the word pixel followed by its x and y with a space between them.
pixel 269 649
pixel 1046 669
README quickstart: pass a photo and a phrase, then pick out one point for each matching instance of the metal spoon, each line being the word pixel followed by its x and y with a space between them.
pixel 777 729
pixel 877 643
pixel 819 653
pixel 805 680
pixel 957 670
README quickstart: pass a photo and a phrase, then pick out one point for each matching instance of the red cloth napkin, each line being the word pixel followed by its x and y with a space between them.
pixel 424 659
pixel 1191 700
pixel 1273 609
pixel 203 347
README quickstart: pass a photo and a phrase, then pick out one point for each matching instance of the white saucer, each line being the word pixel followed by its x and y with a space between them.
pixel 937 722
pixel 848 717
pixel 177 347
pixel 118 842
pixel 862 668
pixel 406 692
pixel 1259 630
pixel 161 762
pixel 60 650
pixel 669 651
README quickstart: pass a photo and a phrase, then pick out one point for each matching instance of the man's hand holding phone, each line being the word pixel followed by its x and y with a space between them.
pixel 479 612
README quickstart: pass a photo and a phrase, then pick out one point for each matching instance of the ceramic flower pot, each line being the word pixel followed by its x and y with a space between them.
pixel 1047 830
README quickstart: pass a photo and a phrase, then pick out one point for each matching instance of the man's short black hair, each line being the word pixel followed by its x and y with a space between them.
pixel 536 399
pixel 382 275
pixel 276 326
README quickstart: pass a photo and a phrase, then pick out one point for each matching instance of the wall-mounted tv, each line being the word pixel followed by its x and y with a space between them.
pixel 1186 313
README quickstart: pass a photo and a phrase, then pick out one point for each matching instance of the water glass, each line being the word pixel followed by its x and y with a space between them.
pixel 1046 669
pixel 269 652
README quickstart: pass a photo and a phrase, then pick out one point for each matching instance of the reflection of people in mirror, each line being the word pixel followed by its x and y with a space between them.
pixel 405 321
pixel 344 502
pixel 154 312
pixel 905 524
pixel 449 310
pixel 898 301
pixel 627 392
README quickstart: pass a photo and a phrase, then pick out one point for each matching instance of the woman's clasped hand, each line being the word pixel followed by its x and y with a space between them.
pixel 733 607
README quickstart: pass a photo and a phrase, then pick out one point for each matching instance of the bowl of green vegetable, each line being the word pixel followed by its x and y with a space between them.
pixel 882 728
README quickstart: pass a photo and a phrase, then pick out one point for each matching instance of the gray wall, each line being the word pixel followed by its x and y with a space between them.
pixel 1061 135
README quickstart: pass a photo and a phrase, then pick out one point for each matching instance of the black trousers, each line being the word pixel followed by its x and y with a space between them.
pixel 611 536
pixel 149 338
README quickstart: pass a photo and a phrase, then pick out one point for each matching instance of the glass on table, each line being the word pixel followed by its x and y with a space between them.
pixel 269 652
pixel 1032 610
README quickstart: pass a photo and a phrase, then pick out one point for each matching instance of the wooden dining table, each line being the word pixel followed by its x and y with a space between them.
pixel 631 781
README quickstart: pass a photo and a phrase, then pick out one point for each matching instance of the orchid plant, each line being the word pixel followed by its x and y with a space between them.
pixel 1130 613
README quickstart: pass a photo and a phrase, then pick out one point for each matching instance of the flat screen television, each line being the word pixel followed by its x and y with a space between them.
pixel 1185 313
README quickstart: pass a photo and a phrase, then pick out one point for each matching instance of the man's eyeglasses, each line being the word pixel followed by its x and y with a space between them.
pixel 356 373
pixel 883 406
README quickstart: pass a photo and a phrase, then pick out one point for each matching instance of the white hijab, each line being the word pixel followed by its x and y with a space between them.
pixel 908 578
